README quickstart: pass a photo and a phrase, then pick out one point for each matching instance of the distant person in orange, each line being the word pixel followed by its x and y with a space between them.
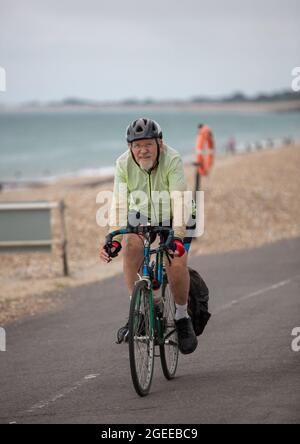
pixel 204 149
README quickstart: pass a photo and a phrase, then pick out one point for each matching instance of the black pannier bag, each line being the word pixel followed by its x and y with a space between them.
pixel 198 302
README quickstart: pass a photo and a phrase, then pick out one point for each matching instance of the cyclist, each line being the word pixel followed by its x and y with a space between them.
pixel 151 165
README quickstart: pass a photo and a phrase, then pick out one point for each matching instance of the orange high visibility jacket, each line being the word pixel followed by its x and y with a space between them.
pixel 204 150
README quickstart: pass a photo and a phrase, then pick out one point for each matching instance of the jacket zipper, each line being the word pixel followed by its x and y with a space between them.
pixel 150 194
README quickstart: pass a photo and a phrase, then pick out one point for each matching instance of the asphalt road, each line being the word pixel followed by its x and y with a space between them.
pixel 64 367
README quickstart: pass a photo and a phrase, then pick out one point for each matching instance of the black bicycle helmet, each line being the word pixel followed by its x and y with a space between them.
pixel 143 128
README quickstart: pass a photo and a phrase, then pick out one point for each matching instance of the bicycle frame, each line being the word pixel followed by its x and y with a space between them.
pixel 144 229
pixel 146 268
pixel 158 275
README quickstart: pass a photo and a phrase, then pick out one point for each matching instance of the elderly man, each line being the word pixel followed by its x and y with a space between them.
pixel 149 165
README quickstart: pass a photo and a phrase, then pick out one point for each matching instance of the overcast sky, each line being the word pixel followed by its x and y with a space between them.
pixel 116 49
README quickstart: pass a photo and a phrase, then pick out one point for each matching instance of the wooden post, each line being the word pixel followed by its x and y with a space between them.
pixel 197 183
pixel 64 238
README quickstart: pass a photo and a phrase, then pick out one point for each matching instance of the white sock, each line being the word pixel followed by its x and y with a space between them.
pixel 181 312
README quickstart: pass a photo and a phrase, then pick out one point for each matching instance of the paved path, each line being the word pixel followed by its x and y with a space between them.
pixel 65 367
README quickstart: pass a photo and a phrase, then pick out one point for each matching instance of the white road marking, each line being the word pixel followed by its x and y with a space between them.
pixel 43 404
pixel 256 293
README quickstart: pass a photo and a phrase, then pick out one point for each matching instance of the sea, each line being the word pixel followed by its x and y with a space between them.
pixel 46 146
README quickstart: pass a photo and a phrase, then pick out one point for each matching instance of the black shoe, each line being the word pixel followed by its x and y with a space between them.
pixel 187 340
pixel 122 334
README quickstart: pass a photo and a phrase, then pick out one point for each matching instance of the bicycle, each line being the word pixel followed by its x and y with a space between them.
pixel 151 324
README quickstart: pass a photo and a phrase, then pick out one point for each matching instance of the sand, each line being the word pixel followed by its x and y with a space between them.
pixel 251 199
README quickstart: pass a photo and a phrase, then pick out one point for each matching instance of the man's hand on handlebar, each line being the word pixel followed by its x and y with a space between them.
pixel 177 247
pixel 107 252
pixel 173 245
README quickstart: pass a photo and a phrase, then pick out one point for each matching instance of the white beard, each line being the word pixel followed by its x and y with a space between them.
pixel 146 164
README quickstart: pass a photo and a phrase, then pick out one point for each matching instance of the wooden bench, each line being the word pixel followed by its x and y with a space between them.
pixel 26 227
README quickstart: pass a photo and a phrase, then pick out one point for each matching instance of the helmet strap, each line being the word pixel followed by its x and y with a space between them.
pixel 132 155
pixel 158 154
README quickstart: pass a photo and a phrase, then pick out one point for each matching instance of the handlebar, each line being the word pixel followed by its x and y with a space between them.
pixel 142 229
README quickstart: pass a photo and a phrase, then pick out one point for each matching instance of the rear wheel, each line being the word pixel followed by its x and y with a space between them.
pixel 169 348
pixel 141 339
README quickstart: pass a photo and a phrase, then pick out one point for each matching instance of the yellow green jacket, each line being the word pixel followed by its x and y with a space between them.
pixel 168 176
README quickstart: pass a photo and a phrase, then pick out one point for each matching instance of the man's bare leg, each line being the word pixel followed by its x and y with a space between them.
pixel 132 260
pixel 133 250
pixel 179 279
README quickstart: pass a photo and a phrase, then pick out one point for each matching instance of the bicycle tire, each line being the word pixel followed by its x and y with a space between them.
pixel 141 339
pixel 169 349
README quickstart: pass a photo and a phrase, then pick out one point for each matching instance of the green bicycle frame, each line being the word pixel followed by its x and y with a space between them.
pixel 159 277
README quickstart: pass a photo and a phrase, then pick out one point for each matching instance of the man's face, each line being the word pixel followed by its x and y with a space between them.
pixel 145 152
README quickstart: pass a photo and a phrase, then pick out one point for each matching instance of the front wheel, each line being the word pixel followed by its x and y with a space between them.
pixel 141 339
pixel 169 347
